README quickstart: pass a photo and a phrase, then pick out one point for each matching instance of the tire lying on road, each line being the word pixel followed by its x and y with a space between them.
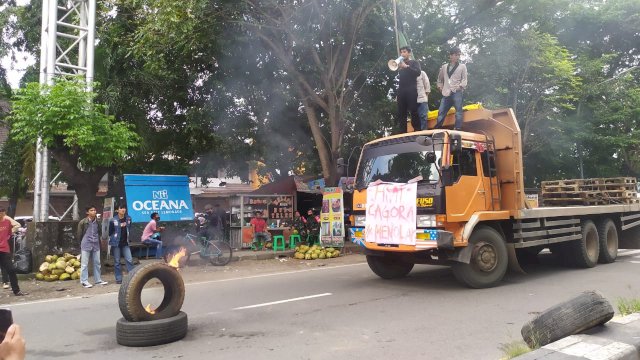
pixel 129 300
pixel 150 333
pixel 573 316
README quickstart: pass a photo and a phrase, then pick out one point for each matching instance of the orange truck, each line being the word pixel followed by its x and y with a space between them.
pixel 471 212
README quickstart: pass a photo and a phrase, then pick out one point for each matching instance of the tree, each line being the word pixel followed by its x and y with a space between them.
pixel 80 137
pixel 316 43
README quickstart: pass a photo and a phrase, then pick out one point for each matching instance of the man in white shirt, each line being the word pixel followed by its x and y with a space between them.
pixel 452 80
pixel 424 88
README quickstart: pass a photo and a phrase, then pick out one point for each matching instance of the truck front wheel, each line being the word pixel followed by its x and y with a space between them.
pixel 489 259
pixel 388 266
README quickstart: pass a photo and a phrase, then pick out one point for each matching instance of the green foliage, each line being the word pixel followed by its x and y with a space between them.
pixel 514 349
pixel 65 117
pixel 628 306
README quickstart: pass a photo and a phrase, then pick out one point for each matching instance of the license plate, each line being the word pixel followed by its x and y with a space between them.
pixel 423 236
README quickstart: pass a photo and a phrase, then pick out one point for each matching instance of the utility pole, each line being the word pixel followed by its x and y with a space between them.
pixel 67 44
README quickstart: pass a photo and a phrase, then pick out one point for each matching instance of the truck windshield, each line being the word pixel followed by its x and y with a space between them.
pixel 400 168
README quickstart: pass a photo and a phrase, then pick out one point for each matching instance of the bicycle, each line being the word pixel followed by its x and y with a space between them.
pixel 218 252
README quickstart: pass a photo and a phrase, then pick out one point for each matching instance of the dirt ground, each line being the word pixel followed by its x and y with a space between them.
pixel 41 290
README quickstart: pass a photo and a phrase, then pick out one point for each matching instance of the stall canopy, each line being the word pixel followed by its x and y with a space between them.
pixel 291 185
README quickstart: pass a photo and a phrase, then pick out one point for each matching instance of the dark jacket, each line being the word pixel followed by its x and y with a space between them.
pixel 115 230
pixel 407 78
pixel 82 229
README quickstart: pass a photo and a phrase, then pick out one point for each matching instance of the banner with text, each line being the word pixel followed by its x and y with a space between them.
pixel 332 218
pixel 168 195
pixel 391 213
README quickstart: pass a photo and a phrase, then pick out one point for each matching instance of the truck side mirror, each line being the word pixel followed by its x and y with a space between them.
pixel 456 143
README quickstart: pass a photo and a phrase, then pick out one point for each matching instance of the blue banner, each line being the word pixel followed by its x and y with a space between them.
pixel 168 195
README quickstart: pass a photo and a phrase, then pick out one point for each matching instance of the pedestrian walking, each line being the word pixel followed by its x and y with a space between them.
pixel 424 88
pixel 151 234
pixel 452 80
pixel 409 71
pixel 119 228
pixel 8 226
pixel 89 233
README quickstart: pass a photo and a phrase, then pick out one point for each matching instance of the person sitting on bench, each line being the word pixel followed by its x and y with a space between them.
pixel 151 234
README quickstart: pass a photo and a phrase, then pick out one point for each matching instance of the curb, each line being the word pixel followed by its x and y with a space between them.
pixel 619 339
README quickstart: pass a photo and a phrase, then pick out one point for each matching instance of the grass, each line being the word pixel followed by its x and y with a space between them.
pixel 514 349
pixel 628 306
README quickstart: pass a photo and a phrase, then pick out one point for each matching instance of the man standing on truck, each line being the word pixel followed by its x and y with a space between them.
pixel 424 88
pixel 407 92
pixel 452 80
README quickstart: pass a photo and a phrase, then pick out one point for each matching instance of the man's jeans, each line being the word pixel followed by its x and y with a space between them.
pixel 423 109
pixel 121 251
pixel 455 100
pixel 84 264
pixel 158 244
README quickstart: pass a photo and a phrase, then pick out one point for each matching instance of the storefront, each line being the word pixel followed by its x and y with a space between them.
pixel 277 203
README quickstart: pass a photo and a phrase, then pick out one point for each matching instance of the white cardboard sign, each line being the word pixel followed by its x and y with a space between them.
pixel 391 213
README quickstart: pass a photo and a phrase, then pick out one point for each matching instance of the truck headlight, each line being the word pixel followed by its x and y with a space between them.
pixel 426 221
pixel 359 220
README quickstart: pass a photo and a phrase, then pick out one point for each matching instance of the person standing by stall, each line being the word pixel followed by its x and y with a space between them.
pixel 89 233
pixel 260 233
pixel 7 227
pixel 313 227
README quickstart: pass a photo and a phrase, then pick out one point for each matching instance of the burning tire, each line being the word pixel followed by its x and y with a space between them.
pixel 150 333
pixel 130 292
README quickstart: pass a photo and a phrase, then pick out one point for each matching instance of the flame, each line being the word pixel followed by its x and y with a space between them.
pixel 150 310
pixel 175 259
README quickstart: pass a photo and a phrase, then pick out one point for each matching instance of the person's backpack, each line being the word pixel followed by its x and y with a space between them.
pixel 23 261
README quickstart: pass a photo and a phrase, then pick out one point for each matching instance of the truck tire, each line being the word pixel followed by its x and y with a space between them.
pixel 568 318
pixel 489 259
pixel 584 252
pixel 129 297
pixel 150 333
pixel 608 234
pixel 388 266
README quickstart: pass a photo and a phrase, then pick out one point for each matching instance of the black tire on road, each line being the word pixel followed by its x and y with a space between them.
pixel 129 299
pixel 389 266
pixel 219 252
pixel 608 234
pixel 150 333
pixel 584 252
pixel 489 259
pixel 573 316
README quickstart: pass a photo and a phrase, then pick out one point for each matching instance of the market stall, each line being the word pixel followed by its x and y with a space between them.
pixel 277 203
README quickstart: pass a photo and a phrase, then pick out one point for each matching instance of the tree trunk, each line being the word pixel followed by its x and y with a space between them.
pixel 84 183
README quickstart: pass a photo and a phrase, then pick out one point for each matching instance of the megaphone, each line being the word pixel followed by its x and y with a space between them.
pixel 394 64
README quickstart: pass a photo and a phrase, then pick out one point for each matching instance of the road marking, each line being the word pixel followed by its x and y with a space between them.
pixel 282 301
pixel 634 262
pixel 628 252
pixel 44 301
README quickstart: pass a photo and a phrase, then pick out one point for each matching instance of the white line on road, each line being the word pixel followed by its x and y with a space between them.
pixel 282 301
pixel 634 262
pixel 628 252
pixel 188 284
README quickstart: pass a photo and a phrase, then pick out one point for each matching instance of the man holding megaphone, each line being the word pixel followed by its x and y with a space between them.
pixel 407 98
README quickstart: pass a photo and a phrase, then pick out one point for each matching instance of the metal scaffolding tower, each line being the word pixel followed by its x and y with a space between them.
pixel 66 48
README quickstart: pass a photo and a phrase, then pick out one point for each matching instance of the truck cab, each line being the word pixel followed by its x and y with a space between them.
pixel 463 178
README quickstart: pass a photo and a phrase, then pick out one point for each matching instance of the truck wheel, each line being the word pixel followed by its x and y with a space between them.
pixel 570 317
pixel 489 259
pixel 584 252
pixel 388 266
pixel 608 234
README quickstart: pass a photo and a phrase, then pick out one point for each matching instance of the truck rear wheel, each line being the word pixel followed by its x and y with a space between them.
pixel 608 234
pixel 388 266
pixel 489 259
pixel 584 252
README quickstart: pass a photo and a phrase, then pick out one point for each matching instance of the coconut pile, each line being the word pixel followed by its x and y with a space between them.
pixel 59 267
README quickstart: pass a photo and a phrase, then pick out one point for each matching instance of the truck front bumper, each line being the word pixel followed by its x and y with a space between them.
pixel 425 239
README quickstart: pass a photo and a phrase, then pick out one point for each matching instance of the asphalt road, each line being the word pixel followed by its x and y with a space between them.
pixel 333 313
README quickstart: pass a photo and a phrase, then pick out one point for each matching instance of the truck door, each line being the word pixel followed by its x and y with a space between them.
pixel 468 192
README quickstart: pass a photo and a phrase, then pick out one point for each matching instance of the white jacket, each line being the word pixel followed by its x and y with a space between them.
pixel 424 87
